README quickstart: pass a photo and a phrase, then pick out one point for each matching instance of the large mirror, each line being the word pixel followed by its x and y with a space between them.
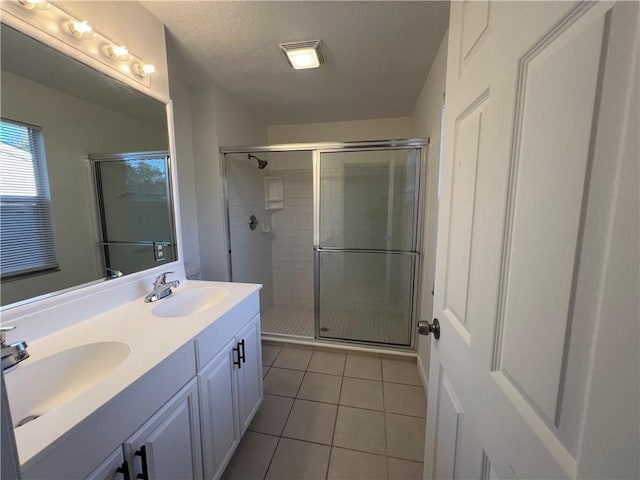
pixel 85 184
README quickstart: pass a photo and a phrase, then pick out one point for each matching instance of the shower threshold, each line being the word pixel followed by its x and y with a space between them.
pixel 296 324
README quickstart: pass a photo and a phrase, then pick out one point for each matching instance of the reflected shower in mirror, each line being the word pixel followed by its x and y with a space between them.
pixel 57 219
pixel 134 206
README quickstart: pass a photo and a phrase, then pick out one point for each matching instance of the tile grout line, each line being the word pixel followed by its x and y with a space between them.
pixel 335 421
pixel 279 436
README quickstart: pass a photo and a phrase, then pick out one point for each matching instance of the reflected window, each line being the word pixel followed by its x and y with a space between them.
pixel 26 230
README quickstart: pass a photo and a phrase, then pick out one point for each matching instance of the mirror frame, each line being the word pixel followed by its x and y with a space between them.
pixel 14 16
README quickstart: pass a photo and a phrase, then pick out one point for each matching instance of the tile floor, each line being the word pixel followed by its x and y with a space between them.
pixel 332 414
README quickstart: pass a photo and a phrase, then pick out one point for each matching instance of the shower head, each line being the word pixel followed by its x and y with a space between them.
pixel 261 163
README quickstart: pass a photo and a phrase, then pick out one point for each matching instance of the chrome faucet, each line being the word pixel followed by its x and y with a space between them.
pixel 161 288
pixel 14 353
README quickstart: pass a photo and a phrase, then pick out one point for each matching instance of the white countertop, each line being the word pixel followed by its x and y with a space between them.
pixel 151 339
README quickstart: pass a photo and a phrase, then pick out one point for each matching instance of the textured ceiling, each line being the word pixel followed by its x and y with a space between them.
pixel 378 54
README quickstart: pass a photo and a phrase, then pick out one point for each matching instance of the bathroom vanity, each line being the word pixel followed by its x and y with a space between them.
pixel 143 389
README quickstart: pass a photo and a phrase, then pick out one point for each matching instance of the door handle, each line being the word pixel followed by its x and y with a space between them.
pixel 425 328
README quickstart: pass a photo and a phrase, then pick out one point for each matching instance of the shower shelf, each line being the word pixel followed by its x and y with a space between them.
pixel 273 193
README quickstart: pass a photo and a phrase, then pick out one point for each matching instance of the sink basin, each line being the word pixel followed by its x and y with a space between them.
pixel 189 302
pixel 39 387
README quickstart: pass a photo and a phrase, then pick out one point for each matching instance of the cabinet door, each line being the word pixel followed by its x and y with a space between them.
pixel 168 445
pixel 220 435
pixel 108 470
pixel 250 373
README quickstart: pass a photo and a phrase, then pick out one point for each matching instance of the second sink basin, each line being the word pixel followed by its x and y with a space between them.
pixel 38 387
pixel 190 302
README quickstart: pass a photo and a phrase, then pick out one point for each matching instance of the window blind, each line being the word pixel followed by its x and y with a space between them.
pixel 26 231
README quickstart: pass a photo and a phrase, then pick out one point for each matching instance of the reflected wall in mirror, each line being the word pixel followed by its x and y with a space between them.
pixel 67 111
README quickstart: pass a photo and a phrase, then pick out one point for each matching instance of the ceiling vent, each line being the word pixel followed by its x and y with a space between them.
pixel 301 55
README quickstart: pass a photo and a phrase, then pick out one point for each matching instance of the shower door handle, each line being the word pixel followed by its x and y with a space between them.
pixel 425 328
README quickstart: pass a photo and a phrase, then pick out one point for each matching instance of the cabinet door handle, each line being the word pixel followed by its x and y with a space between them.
pixel 237 349
pixel 241 356
pixel 142 453
pixel 124 470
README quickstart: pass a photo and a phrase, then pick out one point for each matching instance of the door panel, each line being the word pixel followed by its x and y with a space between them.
pixel 520 242
pixel 554 124
pixel 250 375
pixel 463 184
pixel 220 434
pixel 365 246
pixel 368 199
pixel 375 306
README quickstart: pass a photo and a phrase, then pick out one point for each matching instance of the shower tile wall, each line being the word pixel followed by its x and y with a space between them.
pixel 292 255
pixel 252 252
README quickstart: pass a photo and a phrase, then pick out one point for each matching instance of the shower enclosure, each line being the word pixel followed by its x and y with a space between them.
pixel 133 193
pixel 332 231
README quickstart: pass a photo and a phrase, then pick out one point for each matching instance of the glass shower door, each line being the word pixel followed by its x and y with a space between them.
pixel 134 201
pixel 366 244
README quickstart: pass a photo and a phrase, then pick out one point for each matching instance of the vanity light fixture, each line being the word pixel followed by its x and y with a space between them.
pixel 31 4
pixel 78 28
pixel 302 55
pixel 144 69
pixel 115 51
pixel 50 17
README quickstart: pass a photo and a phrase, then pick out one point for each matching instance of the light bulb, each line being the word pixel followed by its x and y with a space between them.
pixel 144 69
pixel 116 51
pixel 31 4
pixel 78 28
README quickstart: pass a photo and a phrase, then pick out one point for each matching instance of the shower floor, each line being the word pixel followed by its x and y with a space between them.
pixel 288 320
pixel 379 327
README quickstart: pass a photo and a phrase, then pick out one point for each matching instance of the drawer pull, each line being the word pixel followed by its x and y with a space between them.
pixel 124 470
pixel 142 453
pixel 241 356
pixel 238 362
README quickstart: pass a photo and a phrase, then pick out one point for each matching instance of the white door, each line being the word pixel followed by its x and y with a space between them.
pixel 168 445
pixel 249 373
pixel 540 171
pixel 218 400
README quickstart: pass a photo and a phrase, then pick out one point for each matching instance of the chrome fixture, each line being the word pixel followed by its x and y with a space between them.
pixel 114 273
pixel 161 288
pixel 253 222
pixel 426 328
pixel 14 353
pixel 261 163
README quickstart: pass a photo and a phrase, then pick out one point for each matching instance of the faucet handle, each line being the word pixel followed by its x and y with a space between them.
pixel 3 335
pixel 161 279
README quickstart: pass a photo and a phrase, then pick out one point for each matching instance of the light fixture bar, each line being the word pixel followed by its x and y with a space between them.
pixel 53 19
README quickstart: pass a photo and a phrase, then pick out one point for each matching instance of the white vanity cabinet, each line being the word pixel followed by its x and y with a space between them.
pixel 168 446
pixel 230 394
pixel 179 414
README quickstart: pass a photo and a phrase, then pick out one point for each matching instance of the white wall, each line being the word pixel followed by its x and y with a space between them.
pixel 351 131
pixel 426 122
pixel 217 119
pixel 186 171
pixel 72 129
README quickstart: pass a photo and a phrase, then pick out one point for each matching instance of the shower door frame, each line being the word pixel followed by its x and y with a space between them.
pixel 419 144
